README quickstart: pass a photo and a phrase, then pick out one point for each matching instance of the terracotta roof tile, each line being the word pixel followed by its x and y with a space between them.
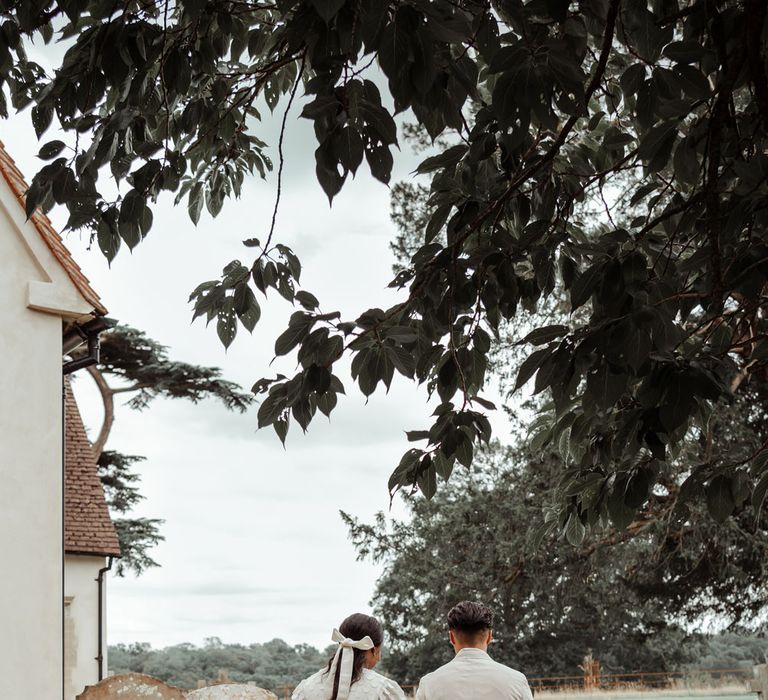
pixel 88 529
pixel 15 179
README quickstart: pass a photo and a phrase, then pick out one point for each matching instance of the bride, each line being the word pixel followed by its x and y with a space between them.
pixel 349 674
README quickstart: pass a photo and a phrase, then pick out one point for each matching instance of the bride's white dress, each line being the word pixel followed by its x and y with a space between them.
pixel 370 686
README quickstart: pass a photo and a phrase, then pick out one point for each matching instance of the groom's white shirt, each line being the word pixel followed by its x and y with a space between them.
pixel 473 675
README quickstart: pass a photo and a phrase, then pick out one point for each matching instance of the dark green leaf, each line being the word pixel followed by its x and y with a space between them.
pixel 380 162
pixel 196 200
pixel 684 51
pixel 446 159
pixel 620 514
pixel 307 300
pixel 226 325
pixel 348 147
pixel 720 501
pixel 584 285
pixel 271 408
pixel 42 116
pixel 656 146
pixel 427 479
pixel 529 367
pixel 292 336
pixel 51 150
pixel 327 9
pixel 693 82
pixel 109 240
pixel 464 451
pixel 545 334
pixel 575 530
pixel 604 387
pixel 403 474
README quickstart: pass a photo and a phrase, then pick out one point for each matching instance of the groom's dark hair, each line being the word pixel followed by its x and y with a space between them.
pixel 469 618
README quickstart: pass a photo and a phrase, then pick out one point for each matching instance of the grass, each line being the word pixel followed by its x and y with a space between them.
pixel 729 691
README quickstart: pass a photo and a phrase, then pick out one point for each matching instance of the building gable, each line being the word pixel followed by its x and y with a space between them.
pixel 63 288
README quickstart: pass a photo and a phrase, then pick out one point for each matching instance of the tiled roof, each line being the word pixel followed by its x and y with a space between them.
pixel 88 529
pixel 15 179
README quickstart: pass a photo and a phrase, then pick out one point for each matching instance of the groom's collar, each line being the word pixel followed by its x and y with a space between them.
pixel 471 652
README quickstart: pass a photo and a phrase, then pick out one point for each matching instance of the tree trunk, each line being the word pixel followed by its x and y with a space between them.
pixel 108 399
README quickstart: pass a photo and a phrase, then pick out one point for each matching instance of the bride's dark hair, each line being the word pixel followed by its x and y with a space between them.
pixel 356 627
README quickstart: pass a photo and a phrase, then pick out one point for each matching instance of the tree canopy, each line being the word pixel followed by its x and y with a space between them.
pixel 631 598
pixel 657 110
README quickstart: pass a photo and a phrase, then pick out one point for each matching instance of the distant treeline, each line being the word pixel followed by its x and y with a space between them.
pixel 276 663
pixel 271 665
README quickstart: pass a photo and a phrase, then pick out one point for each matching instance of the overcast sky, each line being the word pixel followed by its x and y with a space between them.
pixel 255 548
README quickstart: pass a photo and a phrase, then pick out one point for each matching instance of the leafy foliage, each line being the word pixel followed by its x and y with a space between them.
pixel 628 596
pixel 566 99
pixel 129 355
pixel 136 535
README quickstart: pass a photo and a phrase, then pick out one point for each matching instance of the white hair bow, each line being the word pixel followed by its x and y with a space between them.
pixel 346 656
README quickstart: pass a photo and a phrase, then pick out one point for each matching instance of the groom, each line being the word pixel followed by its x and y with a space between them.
pixel 472 673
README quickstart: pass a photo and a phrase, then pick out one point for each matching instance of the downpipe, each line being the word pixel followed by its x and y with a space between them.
pixel 100 649
pixel 87 333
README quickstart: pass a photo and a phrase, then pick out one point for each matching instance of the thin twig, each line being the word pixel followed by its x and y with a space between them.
pixel 280 155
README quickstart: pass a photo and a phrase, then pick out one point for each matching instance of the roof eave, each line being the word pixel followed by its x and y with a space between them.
pixel 88 553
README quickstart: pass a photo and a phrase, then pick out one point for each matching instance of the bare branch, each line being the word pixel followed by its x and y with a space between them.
pixel 108 400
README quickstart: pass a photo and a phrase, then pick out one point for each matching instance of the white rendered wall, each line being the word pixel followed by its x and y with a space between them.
pixel 30 483
pixel 35 295
pixel 82 622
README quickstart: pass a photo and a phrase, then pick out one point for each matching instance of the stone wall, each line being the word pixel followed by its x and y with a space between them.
pixel 135 686
pixel 130 686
